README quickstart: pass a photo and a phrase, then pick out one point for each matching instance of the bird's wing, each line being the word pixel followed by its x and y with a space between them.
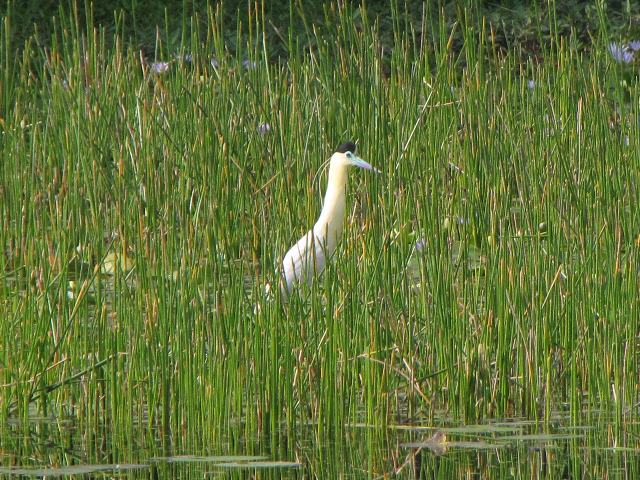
pixel 302 260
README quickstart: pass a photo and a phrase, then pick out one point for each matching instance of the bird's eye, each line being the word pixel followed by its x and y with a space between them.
pixel 349 154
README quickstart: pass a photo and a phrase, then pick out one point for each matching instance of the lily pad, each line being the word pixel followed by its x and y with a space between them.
pixel 489 428
pixel 260 464
pixel 210 459
pixel 69 470
pixel 115 261
pixel 463 445
pixel 542 437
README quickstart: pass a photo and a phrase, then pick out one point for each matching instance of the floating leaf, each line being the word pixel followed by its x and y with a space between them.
pixel 261 464
pixel 69 470
pixel 211 459
pixel 116 261
pixel 465 445
pixel 542 436
pixel 489 428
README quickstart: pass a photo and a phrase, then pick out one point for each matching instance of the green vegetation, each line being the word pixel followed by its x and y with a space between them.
pixel 143 213
pixel 527 26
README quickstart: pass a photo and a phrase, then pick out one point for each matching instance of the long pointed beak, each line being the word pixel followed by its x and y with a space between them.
pixel 358 162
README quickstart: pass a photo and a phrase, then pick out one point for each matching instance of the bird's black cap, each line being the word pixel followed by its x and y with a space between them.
pixel 347 147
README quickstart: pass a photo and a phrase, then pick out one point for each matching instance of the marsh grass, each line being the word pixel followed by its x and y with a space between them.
pixel 522 300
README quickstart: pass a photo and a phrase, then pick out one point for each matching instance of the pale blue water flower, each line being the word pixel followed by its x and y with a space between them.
pixel 634 45
pixel 186 58
pixel 455 168
pixel 249 65
pixel 214 62
pixel 620 53
pixel 531 84
pixel 264 128
pixel 160 67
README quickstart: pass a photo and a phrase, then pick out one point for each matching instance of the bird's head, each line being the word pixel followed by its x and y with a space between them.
pixel 345 156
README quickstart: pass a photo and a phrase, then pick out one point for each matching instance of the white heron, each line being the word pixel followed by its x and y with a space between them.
pixel 309 255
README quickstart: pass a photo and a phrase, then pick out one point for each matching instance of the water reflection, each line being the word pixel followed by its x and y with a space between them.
pixel 50 447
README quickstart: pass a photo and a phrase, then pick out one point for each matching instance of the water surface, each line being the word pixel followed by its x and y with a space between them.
pixel 511 448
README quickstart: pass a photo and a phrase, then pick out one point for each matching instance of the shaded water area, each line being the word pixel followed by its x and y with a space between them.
pixel 511 448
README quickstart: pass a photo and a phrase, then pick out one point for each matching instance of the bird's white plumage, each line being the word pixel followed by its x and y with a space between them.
pixel 307 258
pixel 304 260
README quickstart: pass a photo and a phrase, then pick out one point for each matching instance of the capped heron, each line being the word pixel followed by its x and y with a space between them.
pixel 309 255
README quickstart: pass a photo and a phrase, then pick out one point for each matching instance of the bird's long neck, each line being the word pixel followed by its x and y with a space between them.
pixel 332 215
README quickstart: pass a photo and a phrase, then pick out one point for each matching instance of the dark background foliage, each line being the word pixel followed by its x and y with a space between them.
pixel 526 25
